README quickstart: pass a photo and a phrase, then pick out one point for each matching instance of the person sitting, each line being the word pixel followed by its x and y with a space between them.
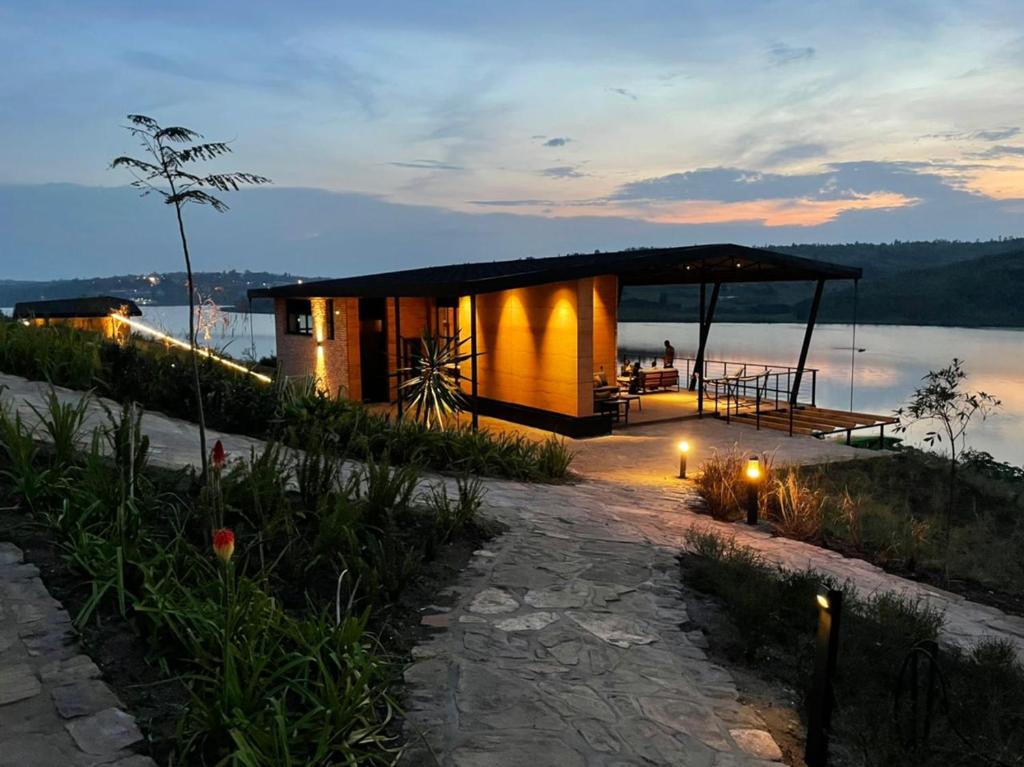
pixel 670 354
pixel 636 378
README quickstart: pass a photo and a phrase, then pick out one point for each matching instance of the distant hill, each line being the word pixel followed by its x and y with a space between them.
pixel 986 291
pixel 156 289
pixel 923 283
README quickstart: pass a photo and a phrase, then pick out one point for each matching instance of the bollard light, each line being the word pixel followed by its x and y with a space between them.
pixel 753 476
pixel 820 700
pixel 684 449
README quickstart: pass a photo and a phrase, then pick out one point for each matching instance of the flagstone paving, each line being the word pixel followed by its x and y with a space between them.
pixel 566 641
pixel 54 709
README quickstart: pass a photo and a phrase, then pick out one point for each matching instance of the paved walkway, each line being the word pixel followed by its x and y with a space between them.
pixel 54 709
pixel 566 643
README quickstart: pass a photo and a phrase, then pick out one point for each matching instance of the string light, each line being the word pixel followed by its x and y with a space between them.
pixel 136 325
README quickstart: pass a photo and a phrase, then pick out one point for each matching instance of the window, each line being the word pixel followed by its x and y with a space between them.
pixel 299 317
pixel 330 319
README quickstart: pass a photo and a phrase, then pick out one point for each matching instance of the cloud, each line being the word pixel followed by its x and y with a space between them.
pixel 989 134
pixel 426 165
pixel 557 141
pixel 793 152
pixel 562 171
pixel 839 181
pixel 624 92
pixel 1000 150
pixel 531 203
pixel 782 54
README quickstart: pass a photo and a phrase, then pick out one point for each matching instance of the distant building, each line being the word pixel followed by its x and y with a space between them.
pixel 90 313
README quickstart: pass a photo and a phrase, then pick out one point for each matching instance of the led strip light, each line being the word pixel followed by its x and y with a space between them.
pixel 135 325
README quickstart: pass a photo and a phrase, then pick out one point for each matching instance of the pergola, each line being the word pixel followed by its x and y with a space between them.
pixel 703 265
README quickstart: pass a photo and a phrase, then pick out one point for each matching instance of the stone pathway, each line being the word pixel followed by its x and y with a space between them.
pixel 565 643
pixel 565 648
pixel 54 709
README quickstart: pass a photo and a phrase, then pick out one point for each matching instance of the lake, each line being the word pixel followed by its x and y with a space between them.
pixel 893 360
pixel 890 367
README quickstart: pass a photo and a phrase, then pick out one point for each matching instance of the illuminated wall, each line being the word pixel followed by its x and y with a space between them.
pixel 415 314
pixel 319 356
pixel 606 338
pixel 536 346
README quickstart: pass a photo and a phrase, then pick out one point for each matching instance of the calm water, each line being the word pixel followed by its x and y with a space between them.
pixel 228 332
pixel 894 359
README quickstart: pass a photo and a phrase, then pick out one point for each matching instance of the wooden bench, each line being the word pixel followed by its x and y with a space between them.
pixel 659 378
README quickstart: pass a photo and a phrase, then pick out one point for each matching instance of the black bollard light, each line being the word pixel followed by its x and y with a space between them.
pixel 819 702
pixel 753 476
pixel 684 449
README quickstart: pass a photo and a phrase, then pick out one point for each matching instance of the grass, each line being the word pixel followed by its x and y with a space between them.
pixel 768 619
pixel 890 511
pixel 279 650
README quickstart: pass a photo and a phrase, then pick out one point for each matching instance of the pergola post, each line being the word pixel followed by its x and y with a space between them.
pixel 398 354
pixel 811 319
pixel 707 317
pixel 473 365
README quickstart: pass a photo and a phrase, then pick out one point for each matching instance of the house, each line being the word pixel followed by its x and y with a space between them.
pixel 90 313
pixel 538 328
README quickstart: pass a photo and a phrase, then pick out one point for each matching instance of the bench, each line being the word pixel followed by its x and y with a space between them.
pixel 653 379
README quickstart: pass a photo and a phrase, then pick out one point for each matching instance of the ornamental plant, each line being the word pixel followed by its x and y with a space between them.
pixel 171 152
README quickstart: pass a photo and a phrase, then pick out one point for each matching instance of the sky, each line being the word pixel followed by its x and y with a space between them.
pixel 672 122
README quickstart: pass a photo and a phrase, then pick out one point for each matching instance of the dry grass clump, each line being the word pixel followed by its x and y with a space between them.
pixel 722 483
pixel 796 508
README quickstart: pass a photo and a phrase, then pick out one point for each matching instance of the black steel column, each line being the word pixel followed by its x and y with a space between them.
pixel 473 353
pixel 398 354
pixel 705 330
pixel 811 319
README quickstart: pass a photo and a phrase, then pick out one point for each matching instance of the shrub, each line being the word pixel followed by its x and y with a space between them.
pixel 771 619
pixel 796 509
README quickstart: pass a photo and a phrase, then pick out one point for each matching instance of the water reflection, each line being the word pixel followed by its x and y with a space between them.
pixel 890 367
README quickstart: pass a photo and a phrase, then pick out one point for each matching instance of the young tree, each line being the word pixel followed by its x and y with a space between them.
pixel 943 401
pixel 170 154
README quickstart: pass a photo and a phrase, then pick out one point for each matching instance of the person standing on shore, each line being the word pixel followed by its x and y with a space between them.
pixel 670 354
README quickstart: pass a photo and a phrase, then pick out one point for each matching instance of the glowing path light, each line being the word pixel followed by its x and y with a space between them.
pixel 136 325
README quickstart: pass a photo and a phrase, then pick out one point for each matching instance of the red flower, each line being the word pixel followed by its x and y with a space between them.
pixel 224 544
pixel 218 456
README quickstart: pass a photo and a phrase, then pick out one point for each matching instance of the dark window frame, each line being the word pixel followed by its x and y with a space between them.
pixel 298 317
pixel 330 318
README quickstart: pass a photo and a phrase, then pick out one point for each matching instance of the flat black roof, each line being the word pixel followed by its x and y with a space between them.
pixel 67 308
pixel 653 266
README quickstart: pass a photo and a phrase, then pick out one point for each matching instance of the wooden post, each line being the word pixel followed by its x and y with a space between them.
pixel 811 319
pixel 473 365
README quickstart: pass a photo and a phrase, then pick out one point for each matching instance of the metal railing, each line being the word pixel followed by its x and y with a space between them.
pixel 780 377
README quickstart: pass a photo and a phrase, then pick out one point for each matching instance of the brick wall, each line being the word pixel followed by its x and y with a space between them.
pixel 299 355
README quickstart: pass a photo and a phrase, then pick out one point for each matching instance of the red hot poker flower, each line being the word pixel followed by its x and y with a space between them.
pixel 219 457
pixel 223 544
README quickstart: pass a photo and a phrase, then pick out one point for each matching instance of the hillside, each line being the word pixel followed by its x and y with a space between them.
pixel 157 289
pixel 923 283
pixel 984 291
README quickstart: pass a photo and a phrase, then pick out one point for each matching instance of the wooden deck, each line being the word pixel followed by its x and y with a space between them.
pixel 815 421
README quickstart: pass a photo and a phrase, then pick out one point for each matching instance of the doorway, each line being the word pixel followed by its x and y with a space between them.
pixel 373 349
